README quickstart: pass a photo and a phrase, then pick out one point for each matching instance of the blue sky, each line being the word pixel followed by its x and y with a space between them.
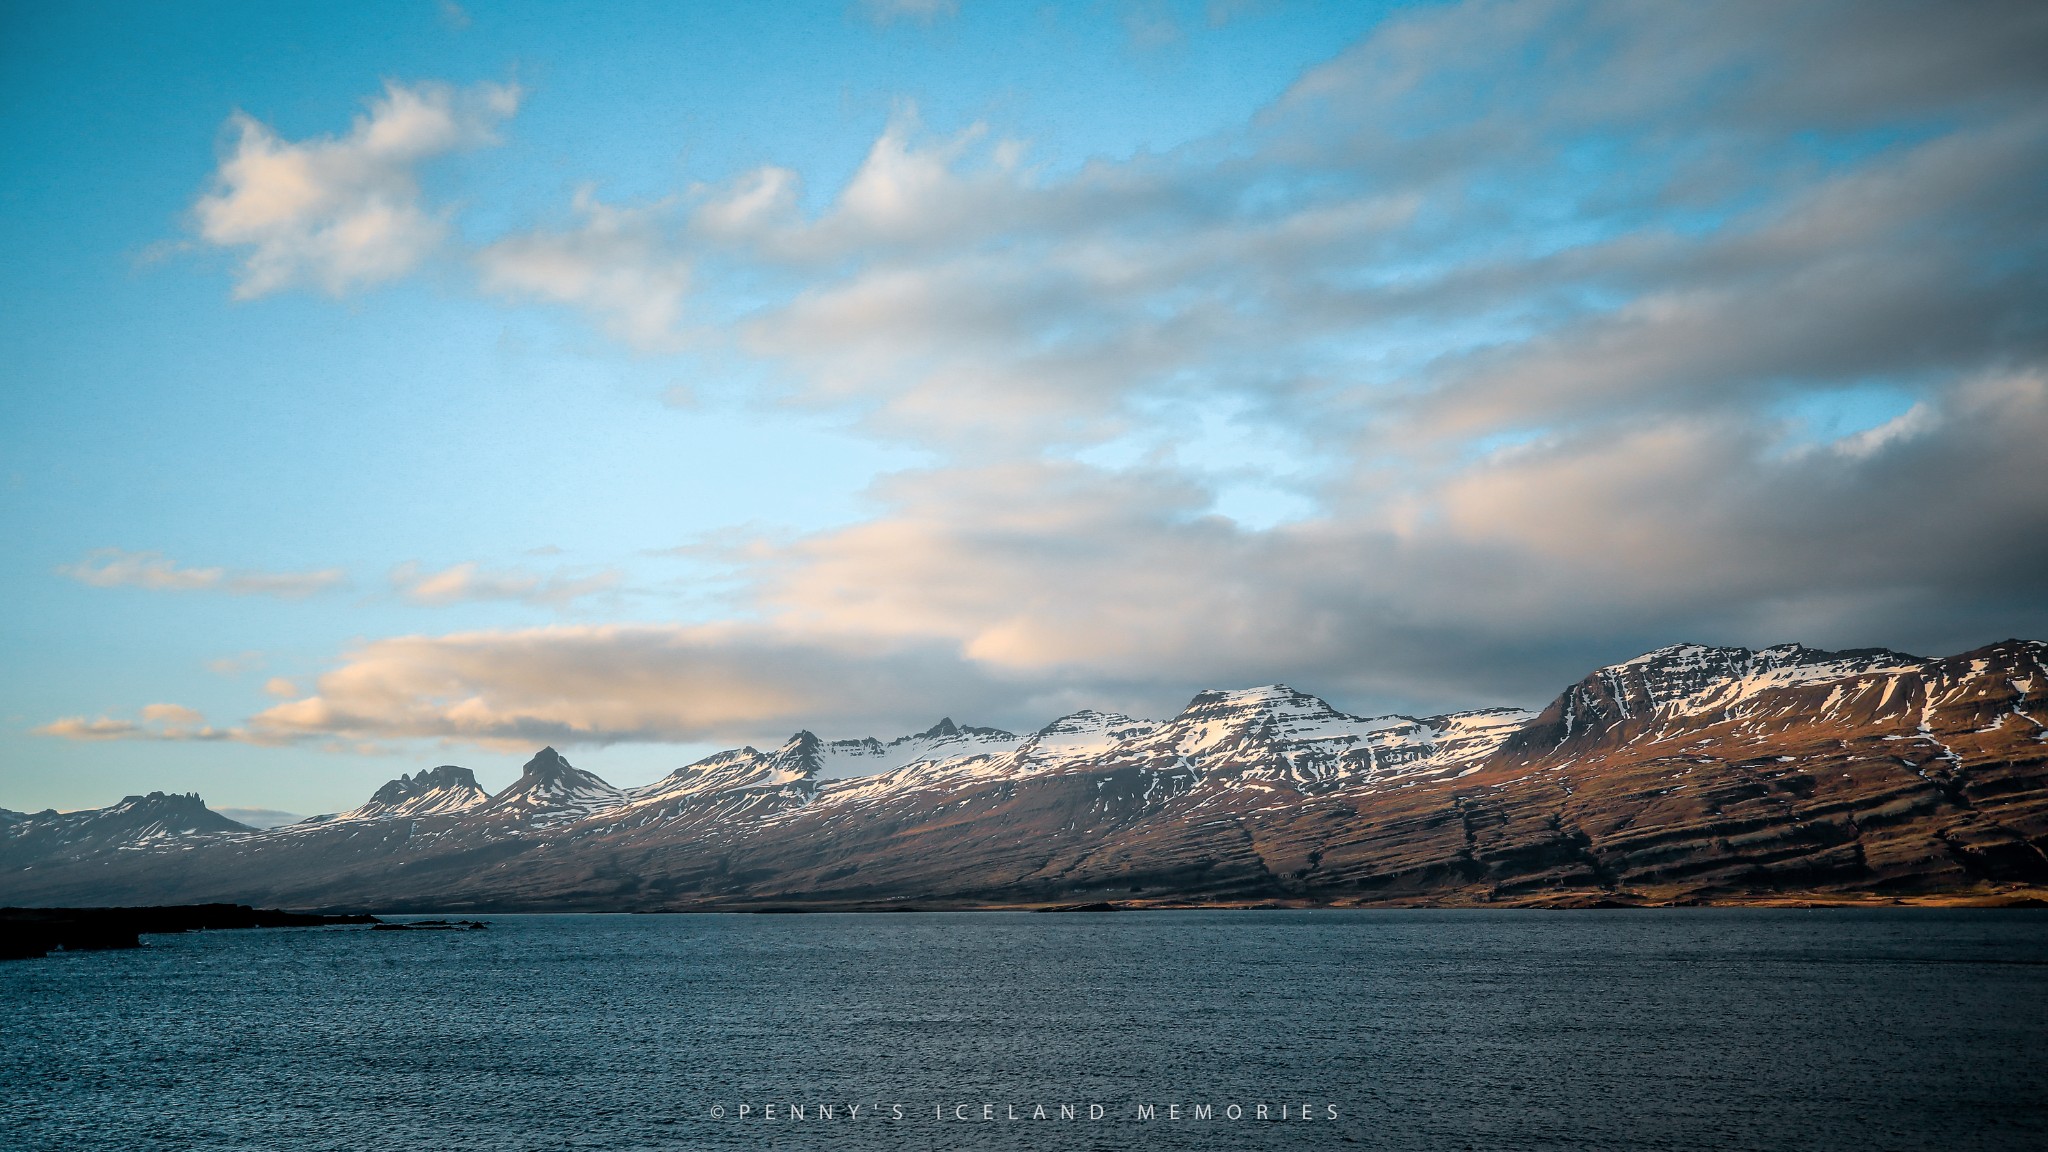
pixel 393 384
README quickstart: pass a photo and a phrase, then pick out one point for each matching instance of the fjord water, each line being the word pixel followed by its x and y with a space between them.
pixel 1676 1029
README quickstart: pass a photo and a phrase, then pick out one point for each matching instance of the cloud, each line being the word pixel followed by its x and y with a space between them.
pixel 340 213
pixel 161 722
pixel 80 728
pixel 468 582
pixel 1915 421
pixel 280 687
pixel 235 665
pixel 116 568
pixel 660 683
pixel 615 263
pixel 886 12
pixel 1511 299
pixel 1015 592
pixel 1698 215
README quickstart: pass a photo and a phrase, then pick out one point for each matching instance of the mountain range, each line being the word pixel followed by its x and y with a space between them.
pixel 1692 774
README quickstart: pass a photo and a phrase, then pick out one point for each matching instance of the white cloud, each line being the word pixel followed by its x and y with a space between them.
pixel 616 263
pixel 80 728
pixel 1505 293
pixel 1012 592
pixel 1915 421
pixel 116 568
pixel 664 683
pixel 469 582
pixel 340 213
pixel 172 723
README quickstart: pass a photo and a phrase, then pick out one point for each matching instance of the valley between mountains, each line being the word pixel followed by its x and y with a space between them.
pixel 1690 774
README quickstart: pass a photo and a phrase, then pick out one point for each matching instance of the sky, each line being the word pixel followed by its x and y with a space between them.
pixel 396 384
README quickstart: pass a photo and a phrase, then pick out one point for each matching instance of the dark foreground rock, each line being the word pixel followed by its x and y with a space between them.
pixel 30 932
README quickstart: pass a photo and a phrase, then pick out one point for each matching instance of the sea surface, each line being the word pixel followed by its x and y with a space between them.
pixel 1707 1029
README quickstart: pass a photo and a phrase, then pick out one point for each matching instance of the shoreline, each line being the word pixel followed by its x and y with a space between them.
pixel 31 932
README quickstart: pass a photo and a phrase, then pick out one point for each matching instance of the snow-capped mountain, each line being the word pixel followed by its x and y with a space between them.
pixel 797 762
pixel 1275 733
pixel 137 822
pixel 551 791
pixel 1689 680
pixel 1690 772
pixel 843 759
pixel 441 791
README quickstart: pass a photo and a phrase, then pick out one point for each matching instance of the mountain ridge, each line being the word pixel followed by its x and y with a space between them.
pixel 1690 773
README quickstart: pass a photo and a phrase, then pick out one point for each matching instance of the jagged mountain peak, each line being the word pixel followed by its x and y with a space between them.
pixel 426 780
pixel 440 791
pixel 549 786
pixel 739 769
pixel 947 730
pixel 445 775
pixel 547 762
pixel 133 822
pixel 176 801
pixel 800 754
pixel 174 813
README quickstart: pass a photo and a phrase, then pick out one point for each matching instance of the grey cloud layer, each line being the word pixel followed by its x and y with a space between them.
pixel 1527 290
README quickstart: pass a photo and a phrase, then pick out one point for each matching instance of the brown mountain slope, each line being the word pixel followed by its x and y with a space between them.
pixel 1914 781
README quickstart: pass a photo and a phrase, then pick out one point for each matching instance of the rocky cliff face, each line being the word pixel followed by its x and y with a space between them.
pixel 1687 774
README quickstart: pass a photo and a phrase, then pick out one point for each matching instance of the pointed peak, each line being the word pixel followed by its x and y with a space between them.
pixel 550 784
pixel 547 761
pixel 800 753
pixel 945 727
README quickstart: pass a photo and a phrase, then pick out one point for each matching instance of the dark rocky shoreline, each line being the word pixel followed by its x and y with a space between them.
pixel 31 932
